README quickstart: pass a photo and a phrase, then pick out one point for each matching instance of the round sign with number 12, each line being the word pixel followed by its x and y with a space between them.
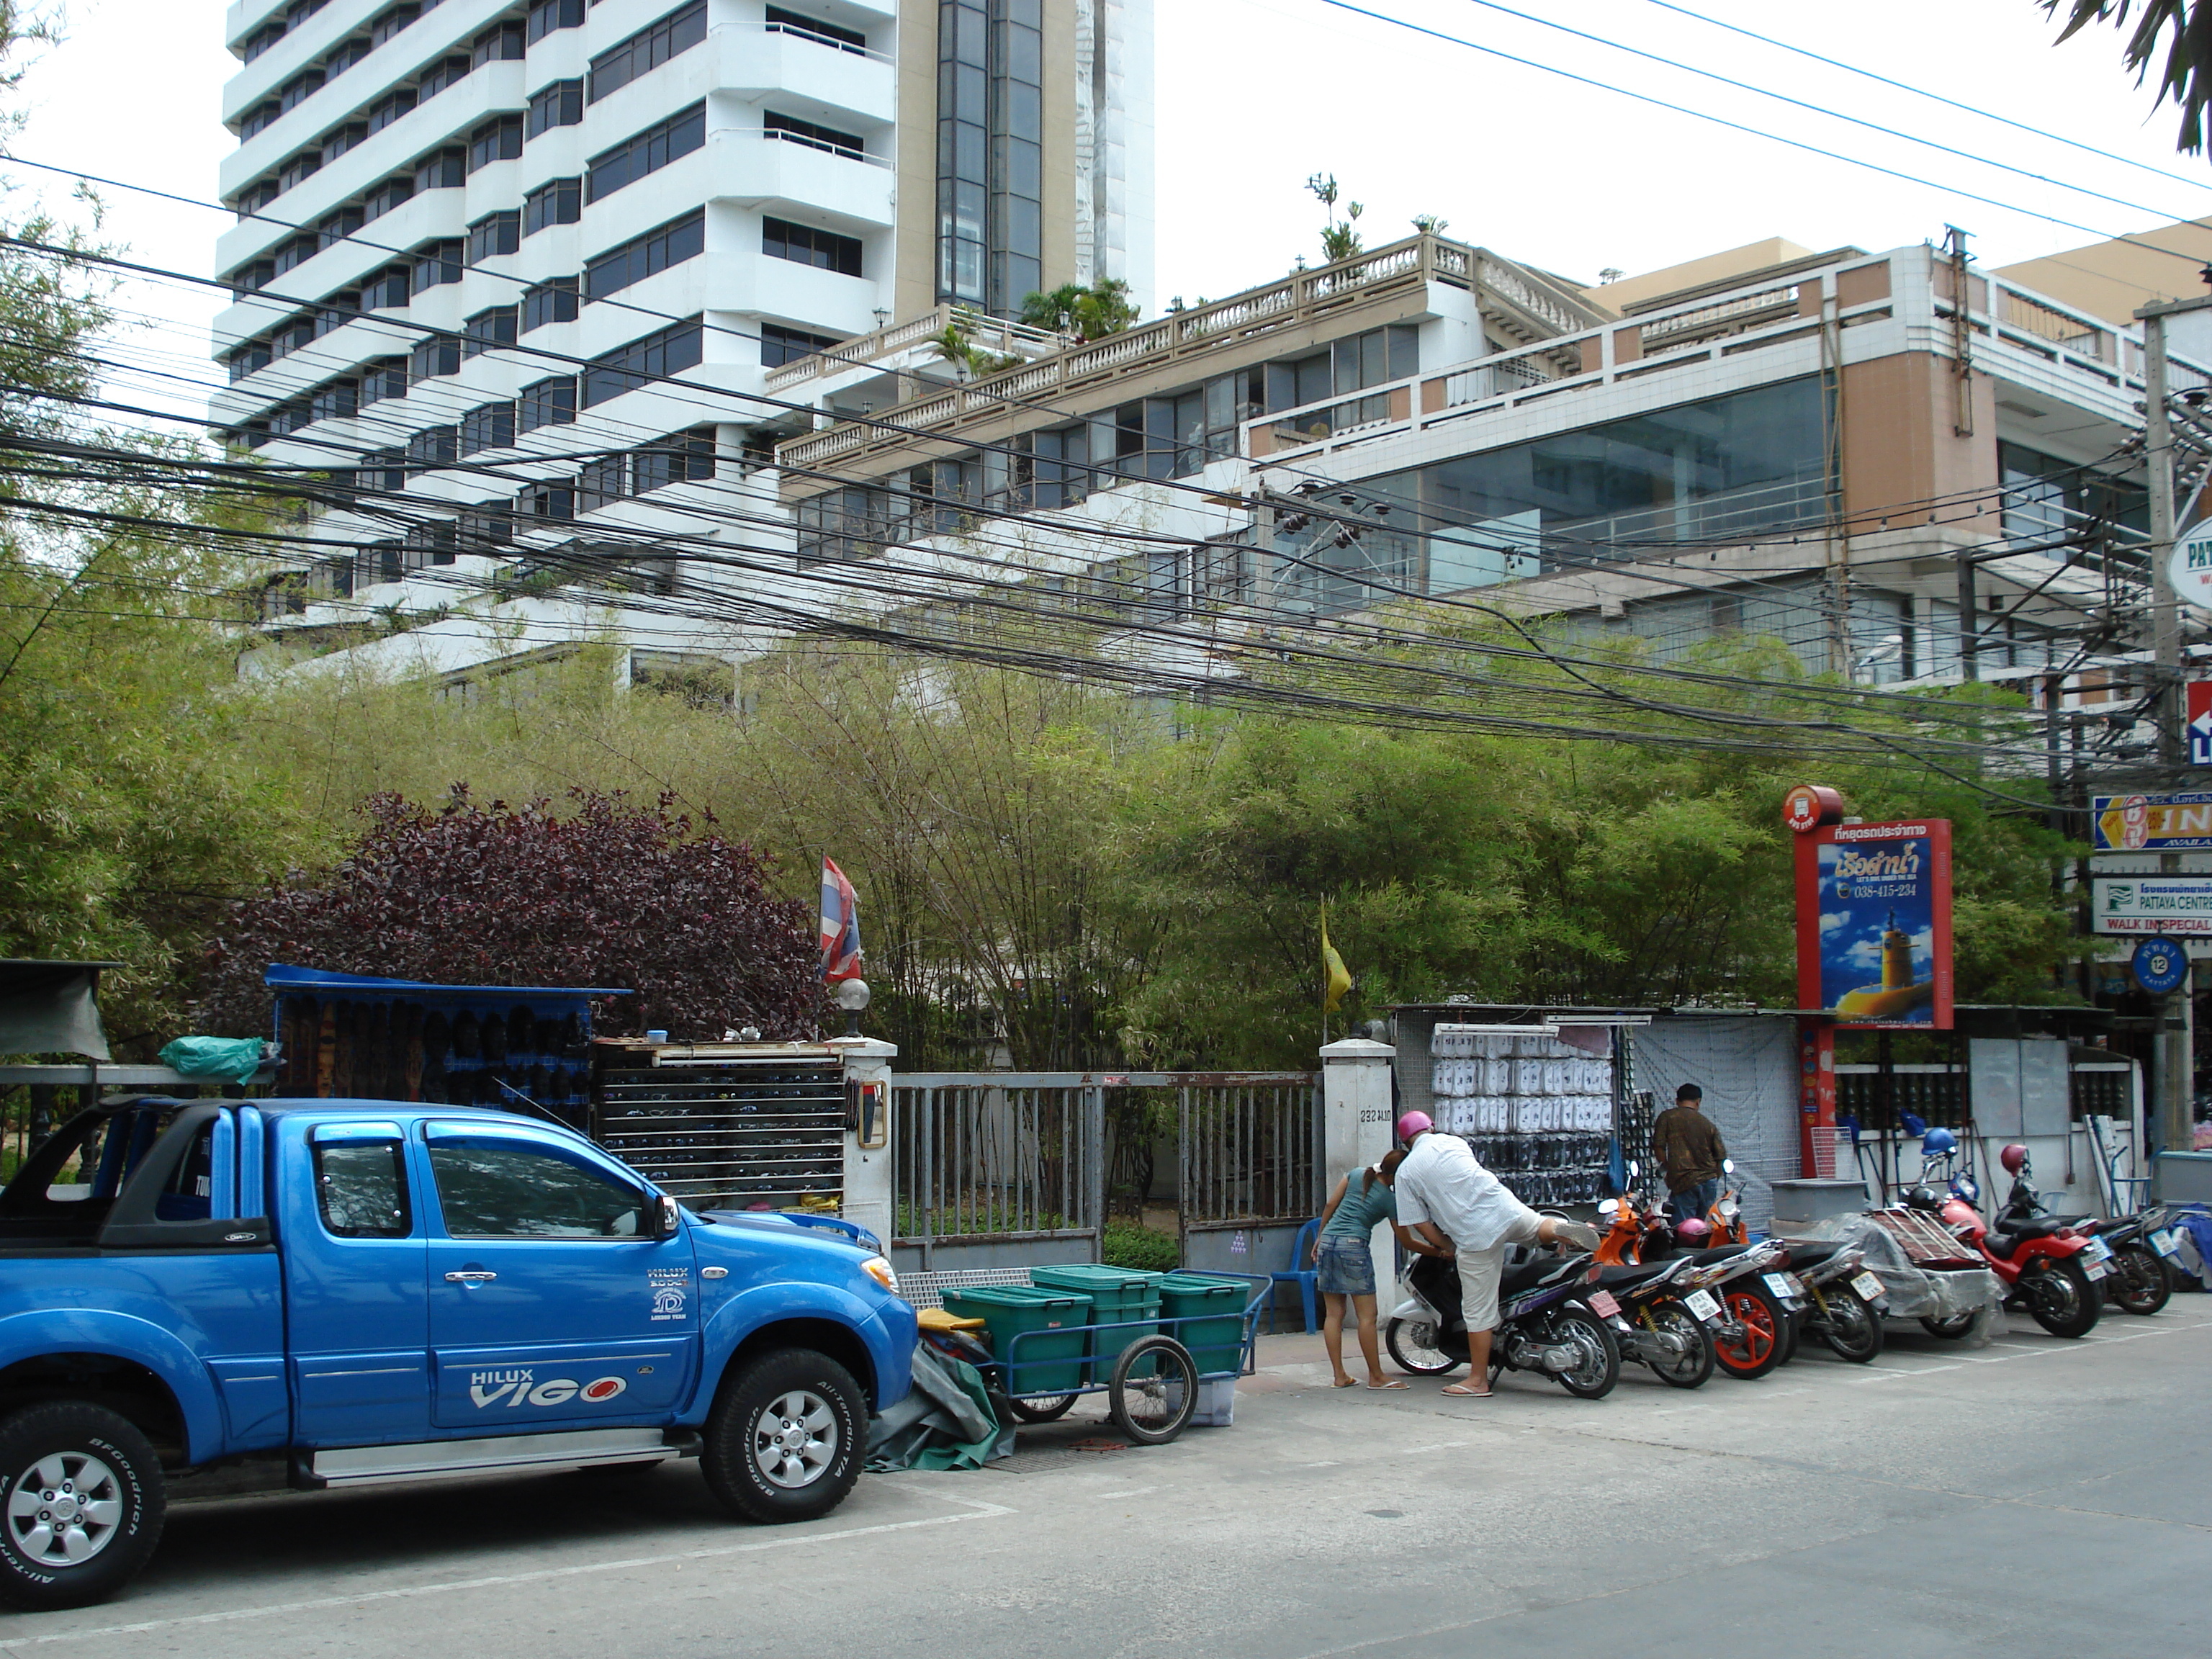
pixel 2161 966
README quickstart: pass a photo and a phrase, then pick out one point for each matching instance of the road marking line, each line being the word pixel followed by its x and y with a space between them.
pixel 1134 1492
pixel 980 1512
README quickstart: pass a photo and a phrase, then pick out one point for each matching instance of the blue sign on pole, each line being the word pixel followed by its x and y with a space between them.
pixel 2161 966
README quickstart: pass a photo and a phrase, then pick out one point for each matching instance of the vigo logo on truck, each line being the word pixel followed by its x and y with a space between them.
pixel 520 1388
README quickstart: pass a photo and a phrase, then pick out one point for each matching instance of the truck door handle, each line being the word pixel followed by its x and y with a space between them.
pixel 475 1276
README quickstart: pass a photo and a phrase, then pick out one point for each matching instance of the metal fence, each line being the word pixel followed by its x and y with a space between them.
pixel 995 1157
pixel 1248 1149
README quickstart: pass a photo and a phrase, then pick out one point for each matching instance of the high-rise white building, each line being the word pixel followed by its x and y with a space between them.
pixel 477 239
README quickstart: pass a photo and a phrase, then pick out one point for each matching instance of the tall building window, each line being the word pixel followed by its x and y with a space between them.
pixel 645 152
pixel 649 48
pixel 495 233
pixel 550 301
pixel 496 140
pixel 781 22
pixel 488 426
pixel 547 15
pixel 439 355
pixel 560 105
pixel 556 201
pixel 826 249
pixel 436 263
pixel 548 403
pixel 781 345
pixel 793 130
pixel 654 252
pixel 487 331
pixel 990 128
pixel 665 351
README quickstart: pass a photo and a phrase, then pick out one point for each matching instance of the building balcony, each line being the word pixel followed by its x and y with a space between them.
pixel 808 75
pixel 754 170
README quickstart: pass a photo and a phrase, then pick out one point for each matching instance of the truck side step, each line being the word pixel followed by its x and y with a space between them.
pixel 429 1460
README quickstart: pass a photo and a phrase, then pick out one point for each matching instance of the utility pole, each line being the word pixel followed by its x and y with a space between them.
pixel 2177 1043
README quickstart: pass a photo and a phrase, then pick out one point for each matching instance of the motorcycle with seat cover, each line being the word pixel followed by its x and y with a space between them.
pixel 2047 1268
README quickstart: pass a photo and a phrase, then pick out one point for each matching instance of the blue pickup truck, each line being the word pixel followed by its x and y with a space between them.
pixel 342 1292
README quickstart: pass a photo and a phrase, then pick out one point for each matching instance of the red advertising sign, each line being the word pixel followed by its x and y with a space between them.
pixel 1873 923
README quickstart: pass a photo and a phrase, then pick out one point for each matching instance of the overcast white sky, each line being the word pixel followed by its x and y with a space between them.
pixel 1254 95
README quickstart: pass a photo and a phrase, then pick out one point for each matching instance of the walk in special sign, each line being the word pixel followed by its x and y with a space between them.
pixel 1874 915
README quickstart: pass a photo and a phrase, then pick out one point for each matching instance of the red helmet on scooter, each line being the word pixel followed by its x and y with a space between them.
pixel 1693 1234
pixel 2014 1157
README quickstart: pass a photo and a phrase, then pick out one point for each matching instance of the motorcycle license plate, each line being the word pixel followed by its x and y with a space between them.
pixel 2096 1269
pixel 1703 1304
pixel 2098 1250
pixel 2164 1242
pixel 1602 1302
pixel 1784 1285
pixel 1869 1286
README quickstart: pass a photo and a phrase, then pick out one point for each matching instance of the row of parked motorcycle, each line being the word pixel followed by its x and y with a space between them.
pixel 1701 1295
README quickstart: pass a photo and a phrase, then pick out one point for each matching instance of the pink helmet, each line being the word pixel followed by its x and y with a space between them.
pixel 1414 1123
pixel 2012 1157
pixel 1693 1232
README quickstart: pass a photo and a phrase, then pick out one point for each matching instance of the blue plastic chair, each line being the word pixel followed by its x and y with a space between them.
pixel 1304 1276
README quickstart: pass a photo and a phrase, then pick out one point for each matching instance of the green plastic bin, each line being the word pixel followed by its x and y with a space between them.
pixel 1119 1296
pixel 1049 1364
pixel 1215 1308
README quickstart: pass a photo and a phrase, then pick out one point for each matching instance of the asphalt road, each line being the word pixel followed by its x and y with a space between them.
pixel 2046 1498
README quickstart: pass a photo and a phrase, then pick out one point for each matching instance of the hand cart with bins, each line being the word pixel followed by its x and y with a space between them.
pixel 1153 1343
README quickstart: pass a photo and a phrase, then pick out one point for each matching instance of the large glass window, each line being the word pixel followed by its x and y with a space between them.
pixel 990 130
pixel 663 352
pixel 646 152
pixel 781 345
pixel 1752 461
pixel 2047 499
pixel 825 249
pixel 646 256
pixel 650 47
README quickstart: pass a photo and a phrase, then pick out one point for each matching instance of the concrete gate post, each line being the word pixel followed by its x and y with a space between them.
pixel 1356 1131
pixel 868 1189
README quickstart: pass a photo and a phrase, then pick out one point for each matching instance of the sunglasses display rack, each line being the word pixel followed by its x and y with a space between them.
pixel 1539 1112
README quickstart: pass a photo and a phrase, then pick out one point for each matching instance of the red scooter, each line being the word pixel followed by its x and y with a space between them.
pixel 2047 1268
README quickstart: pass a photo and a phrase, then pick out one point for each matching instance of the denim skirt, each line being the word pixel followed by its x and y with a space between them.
pixel 1347 1268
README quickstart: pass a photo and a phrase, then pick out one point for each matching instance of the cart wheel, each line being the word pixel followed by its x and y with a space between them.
pixel 1042 1407
pixel 1156 1405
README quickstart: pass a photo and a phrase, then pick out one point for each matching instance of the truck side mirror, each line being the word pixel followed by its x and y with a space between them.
pixel 667 1219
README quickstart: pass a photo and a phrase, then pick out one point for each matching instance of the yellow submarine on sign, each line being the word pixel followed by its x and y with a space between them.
pixel 1899 994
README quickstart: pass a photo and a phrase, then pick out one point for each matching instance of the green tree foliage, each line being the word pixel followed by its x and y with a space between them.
pixel 2182 28
pixel 127 813
pixel 1088 314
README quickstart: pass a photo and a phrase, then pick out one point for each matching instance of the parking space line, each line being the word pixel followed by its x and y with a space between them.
pixel 977 1511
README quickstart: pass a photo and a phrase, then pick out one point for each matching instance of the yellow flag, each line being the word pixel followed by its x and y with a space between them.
pixel 1336 980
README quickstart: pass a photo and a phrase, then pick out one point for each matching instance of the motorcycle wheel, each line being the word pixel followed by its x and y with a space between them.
pixel 1949 1329
pixel 1597 1367
pixel 1851 1330
pixel 2141 1283
pixel 1692 1370
pixel 2067 1302
pixel 1763 1321
pixel 1413 1346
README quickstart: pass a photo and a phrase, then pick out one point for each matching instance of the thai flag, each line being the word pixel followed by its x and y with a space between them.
pixel 841 926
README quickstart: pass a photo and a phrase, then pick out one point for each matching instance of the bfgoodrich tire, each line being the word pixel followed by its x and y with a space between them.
pixel 784 1440
pixel 82 1502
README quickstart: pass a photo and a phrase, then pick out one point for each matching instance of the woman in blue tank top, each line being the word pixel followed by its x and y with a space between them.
pixel 1345 1265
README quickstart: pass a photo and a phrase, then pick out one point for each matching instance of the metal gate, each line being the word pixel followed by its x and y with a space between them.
pixel 1021 1158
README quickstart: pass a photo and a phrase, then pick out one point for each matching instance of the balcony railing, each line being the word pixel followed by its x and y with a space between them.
pixel 1305 297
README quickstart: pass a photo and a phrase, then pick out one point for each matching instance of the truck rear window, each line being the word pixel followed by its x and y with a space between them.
pixel 362 1190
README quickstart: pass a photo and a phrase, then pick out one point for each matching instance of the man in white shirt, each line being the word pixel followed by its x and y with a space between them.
pixel 1448 1202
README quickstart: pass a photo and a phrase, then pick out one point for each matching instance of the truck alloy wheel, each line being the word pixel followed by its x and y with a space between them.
pixel 82 1507
pixel 783 1442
